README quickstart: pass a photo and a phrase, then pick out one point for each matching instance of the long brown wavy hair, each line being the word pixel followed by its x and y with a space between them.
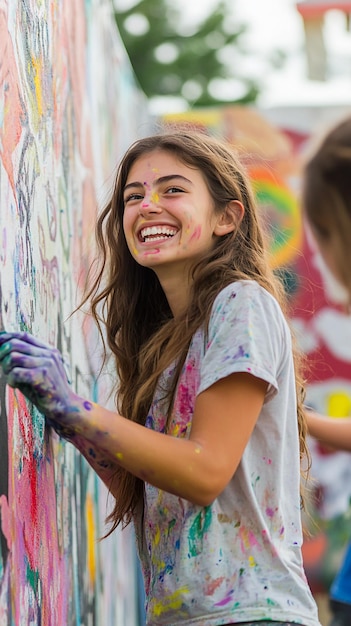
pixel 127 300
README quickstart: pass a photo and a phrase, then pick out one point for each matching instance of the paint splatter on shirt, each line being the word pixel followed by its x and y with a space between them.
pixel 238 559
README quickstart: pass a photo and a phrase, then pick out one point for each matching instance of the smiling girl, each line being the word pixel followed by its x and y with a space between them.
pixel 203 453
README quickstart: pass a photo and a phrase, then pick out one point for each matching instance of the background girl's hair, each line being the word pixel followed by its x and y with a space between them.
pixel 326 195
pixel 128 301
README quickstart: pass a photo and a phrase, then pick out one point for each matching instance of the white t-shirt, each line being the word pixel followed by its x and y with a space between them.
pixel 238 559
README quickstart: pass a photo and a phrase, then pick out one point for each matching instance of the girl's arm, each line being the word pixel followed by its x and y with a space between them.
pixel 104 467
pixel 197 468
pixel 332 432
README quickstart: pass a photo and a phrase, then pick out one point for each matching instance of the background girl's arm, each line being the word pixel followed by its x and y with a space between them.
pixel 332 432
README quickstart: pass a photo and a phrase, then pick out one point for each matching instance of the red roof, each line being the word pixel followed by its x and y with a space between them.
pixel 315 8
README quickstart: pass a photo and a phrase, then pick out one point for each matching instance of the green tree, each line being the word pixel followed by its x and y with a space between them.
pixel 171 60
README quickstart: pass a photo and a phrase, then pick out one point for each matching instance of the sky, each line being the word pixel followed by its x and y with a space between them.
pixel 270 21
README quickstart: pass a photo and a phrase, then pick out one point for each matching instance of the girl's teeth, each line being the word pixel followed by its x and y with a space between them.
pixel 154 231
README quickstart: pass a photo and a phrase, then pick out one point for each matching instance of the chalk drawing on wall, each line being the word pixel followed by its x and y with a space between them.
pixel 69 106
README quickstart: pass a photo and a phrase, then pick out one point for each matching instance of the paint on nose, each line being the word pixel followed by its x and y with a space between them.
pixel 152 199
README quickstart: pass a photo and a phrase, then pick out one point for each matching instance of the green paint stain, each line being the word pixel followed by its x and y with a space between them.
pixel 198 528
pixel 171 525
pixel 33 578
pixel 254 483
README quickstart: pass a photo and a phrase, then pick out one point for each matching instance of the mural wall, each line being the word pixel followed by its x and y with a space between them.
pixel 273 144
pixel 68 109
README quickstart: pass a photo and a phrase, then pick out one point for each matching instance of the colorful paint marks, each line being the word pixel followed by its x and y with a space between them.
pixel 68 109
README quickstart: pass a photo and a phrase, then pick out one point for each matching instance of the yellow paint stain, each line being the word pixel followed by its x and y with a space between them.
pixel 154 198
pixel 252 561
pixel 245 538
pixel 174 602
pixel 158 563
pixel 339 404
pixel 157 537
pixel 37 85
pixel 119 456
pixel 91 539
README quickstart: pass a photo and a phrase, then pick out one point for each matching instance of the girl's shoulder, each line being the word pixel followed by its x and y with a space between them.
pixel 246 290
pixel 247 300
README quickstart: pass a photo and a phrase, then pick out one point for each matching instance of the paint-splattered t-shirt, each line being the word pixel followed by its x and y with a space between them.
pixel 238 559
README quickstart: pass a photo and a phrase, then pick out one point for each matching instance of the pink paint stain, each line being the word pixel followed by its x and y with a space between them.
pixel 196 234
pixel 150 252
pixel 212 585
pixel 248 540
pixel 14 117
pixel 227 599
pixel 268 461
pixel 36 563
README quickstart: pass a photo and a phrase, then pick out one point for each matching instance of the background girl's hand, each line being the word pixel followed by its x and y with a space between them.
pixel 37 370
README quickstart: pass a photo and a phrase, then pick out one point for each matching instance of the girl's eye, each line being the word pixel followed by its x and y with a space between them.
pixel 171 190
pixel 132 197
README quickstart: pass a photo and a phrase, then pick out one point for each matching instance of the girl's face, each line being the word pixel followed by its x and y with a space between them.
pixel 169 220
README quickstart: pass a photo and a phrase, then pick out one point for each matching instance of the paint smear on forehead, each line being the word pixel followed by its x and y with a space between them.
pixel 154 171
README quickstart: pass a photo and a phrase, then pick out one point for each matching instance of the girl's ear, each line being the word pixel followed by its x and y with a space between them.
pixel 230 219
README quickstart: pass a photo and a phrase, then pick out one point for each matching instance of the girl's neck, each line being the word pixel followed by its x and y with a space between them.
pixel 176 290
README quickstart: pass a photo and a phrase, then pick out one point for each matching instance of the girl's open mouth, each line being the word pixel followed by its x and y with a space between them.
pixel 156 233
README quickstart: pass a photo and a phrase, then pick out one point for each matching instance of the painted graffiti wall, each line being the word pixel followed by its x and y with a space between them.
pixel 69 107
pixel 273 144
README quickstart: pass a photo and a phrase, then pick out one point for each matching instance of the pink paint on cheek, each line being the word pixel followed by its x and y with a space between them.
pixel 196 234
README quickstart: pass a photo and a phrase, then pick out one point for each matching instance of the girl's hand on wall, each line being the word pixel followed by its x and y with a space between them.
pixel 38 371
